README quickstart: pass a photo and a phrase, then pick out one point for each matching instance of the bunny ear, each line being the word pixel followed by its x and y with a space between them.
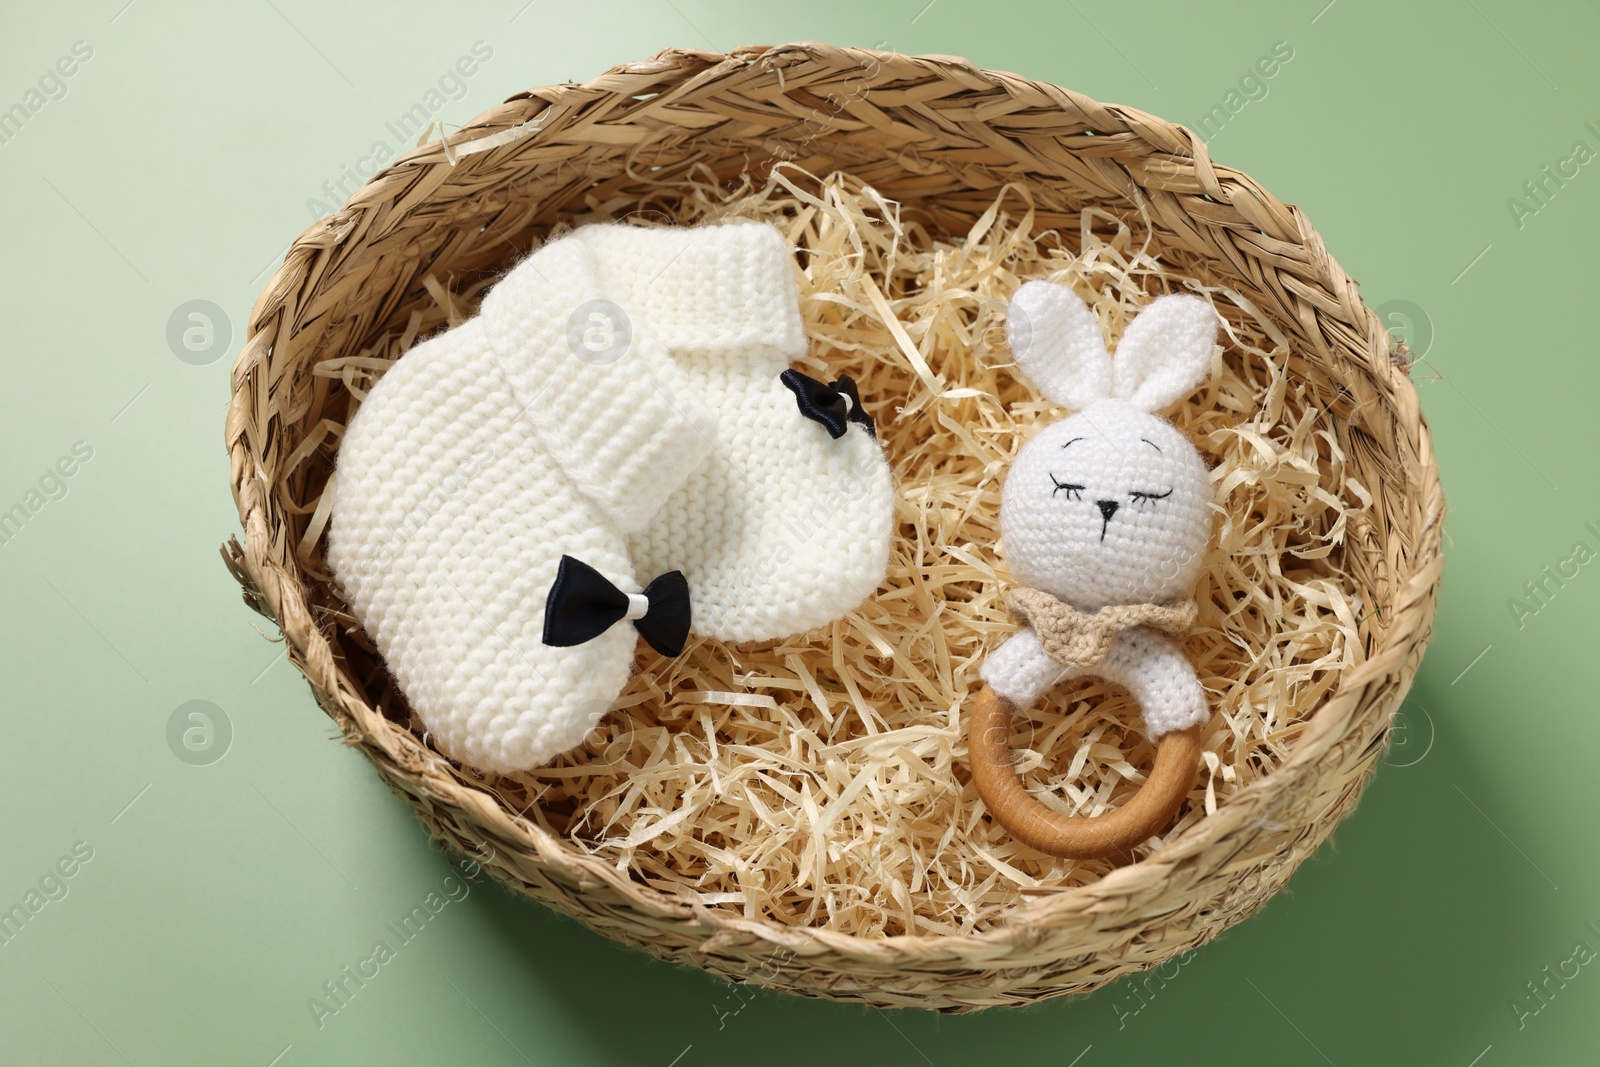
pixel 1056 341
pixel 1165 353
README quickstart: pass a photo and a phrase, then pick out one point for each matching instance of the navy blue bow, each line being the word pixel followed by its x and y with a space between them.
pixel 835 405
pixel 583 604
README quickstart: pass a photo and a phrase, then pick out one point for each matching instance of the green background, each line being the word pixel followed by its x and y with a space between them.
pixel 219 898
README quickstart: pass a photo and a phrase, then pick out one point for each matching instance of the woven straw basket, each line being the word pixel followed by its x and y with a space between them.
pixel 932 131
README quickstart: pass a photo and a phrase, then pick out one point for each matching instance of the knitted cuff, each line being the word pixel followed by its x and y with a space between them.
pixel 724 287
pixel 608 404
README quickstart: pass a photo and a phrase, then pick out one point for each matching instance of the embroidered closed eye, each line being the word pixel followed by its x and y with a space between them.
pixel 1141 497
pixel 1074 491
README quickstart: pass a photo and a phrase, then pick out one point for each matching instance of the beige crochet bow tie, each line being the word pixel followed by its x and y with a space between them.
pixel 1079 640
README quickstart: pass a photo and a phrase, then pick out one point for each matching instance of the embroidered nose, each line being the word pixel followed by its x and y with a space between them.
pixel 1107 508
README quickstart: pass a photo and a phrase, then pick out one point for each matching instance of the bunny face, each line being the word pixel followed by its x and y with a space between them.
pixel 1110 505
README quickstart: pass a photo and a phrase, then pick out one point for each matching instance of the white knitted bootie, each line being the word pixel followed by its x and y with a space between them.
pixel 491 477
pixel 786 525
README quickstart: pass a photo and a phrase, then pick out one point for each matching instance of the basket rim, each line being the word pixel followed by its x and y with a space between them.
pixel 1176 155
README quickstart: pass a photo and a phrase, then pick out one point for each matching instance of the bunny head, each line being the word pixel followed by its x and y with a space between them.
pixel 1111 504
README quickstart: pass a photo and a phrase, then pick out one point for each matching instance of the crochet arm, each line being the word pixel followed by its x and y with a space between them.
pixel 1161 679
pixel 1020 671
pixel 1152 668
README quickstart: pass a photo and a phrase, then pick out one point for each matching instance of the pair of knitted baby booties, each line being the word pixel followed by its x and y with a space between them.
pixel 615 446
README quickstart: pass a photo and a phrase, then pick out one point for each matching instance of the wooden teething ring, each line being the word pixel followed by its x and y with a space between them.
pixel 1140 818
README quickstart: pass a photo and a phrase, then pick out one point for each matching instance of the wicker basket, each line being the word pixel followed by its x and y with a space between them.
pixel 932 130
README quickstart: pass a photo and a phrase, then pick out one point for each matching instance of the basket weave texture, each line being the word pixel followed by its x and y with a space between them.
pixel 931 130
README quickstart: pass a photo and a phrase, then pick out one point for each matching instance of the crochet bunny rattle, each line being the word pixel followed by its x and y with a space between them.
pixel 1105 519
